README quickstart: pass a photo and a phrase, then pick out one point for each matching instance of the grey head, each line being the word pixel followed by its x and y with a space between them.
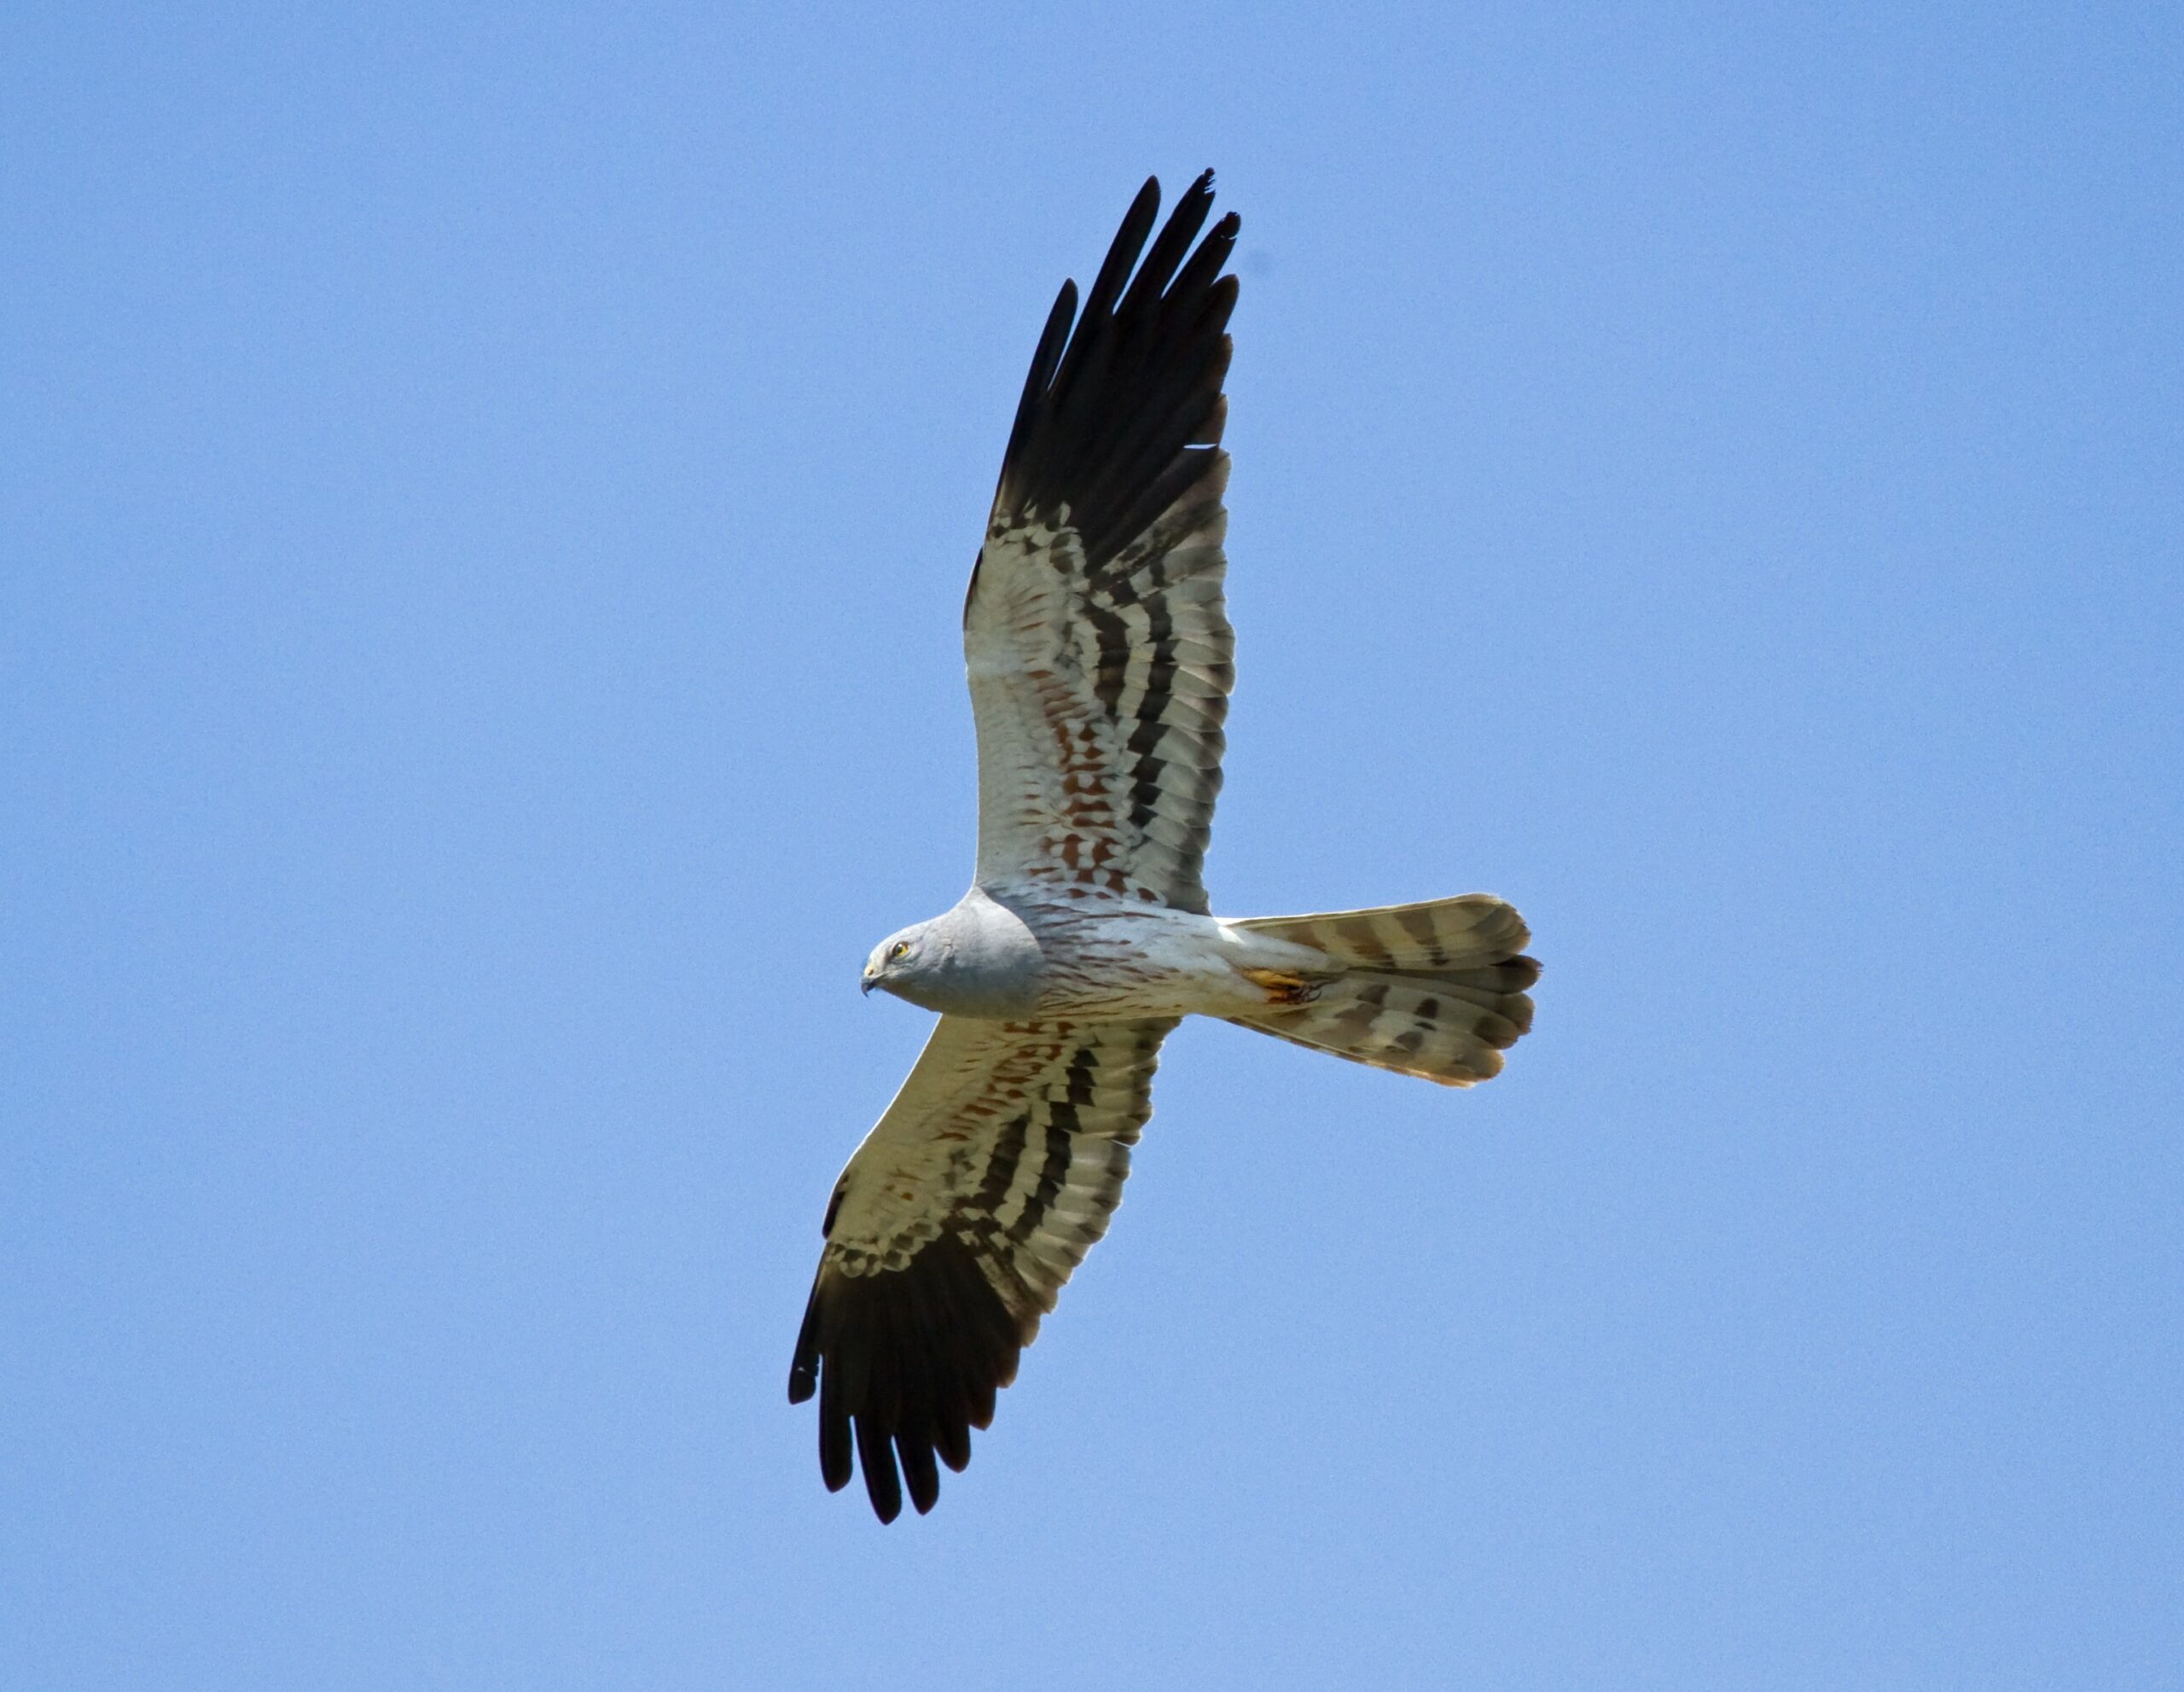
pixel 978 960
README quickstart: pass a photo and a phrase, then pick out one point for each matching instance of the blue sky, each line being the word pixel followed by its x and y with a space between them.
pixel 484 499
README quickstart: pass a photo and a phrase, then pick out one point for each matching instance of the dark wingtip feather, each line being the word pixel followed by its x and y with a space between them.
pixel 804 1366
pixel 904 1362
pixel 1044 361
pixel 835 1466
pixel 1108 429
pixel 920 1473
pixel 875 1454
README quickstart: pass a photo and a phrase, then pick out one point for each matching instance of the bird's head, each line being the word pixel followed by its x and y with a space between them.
pixel 978 960
pixel 897 963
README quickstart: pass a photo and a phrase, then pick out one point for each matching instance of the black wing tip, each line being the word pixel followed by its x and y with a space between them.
pixel 875 1455
pixel 835 1465
pixel 804 1363
pixel 1200 193
pixel 1201 186
pixel 920 1473
pixel 905 1362
pixel 1114 397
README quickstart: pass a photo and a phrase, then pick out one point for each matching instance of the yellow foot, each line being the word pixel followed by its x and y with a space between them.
pixel 1279 986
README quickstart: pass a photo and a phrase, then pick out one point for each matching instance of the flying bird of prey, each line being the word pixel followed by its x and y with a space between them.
pixel 1099 655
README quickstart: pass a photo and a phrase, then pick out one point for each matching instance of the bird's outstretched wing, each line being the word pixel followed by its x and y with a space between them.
pixel 1099 653
pixel 951 1232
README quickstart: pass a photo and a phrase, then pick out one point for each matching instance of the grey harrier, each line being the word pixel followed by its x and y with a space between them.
pixel 1099 667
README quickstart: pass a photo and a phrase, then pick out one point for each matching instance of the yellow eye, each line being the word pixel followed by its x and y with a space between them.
pixel 898 951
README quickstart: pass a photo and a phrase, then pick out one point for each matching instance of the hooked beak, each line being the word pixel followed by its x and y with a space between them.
pixel 869 982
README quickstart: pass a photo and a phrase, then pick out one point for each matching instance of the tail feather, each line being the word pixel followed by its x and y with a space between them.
pixel 1427 937
pixel 1436 990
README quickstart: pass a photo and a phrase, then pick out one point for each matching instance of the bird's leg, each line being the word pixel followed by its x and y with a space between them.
pixel 1281 986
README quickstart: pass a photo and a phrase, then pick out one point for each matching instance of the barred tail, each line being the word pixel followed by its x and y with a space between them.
pixel 1436 990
